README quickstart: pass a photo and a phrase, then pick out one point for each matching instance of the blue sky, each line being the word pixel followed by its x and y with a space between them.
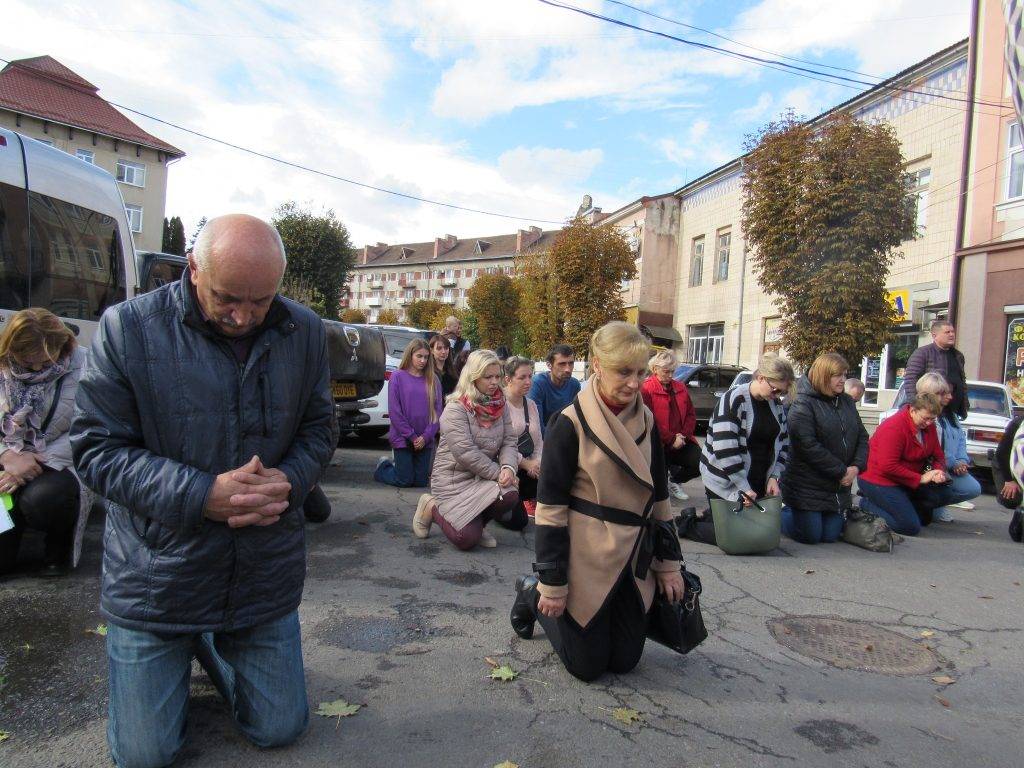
pixel 506 105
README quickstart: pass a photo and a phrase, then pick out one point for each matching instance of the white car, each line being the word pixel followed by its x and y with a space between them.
pixel 989 410
pixel 396 339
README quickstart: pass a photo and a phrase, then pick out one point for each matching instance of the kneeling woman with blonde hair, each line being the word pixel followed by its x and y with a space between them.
pixel 474 476
pixel 600 556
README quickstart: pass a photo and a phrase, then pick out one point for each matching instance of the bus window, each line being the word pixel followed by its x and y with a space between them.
pixel 13 264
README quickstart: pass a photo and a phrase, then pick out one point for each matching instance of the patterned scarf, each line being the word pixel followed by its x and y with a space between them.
pixel 23 395
pixel 488 411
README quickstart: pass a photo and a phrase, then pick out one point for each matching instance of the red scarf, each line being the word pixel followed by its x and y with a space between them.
pixel 487 412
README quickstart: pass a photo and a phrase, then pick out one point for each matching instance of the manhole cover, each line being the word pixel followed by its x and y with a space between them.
pixel 853 645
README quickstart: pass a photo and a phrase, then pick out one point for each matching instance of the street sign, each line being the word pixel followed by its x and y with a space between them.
pixel 900 300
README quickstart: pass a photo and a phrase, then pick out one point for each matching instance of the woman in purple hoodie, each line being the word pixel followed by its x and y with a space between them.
pixel 414 408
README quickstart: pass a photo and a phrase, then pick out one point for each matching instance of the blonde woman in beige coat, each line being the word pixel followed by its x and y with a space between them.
pixel 474 477
pixel 604 536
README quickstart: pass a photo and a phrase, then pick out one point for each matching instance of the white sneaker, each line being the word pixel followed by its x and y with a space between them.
pixel 487 540
pixel 676 491
pixel 423 518
pixel 380 461
pixel 943 515
pixel 963 505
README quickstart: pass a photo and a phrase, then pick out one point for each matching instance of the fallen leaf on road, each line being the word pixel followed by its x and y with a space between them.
pixel 927 633
pixel 985 597
pixel 933 586
pixel 338 708
pixel 491 661
pixel 101 630
pixel 787 631
pixel 809 571
pixel 942 701
pixel 1016 583
pixel 505 673
pixel 507 764
pixel 869 647
pixel 943 680
pixel 4 735
pixel 26 647
pixel 626 715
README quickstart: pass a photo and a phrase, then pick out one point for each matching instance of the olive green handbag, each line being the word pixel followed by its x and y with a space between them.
pixel 751 530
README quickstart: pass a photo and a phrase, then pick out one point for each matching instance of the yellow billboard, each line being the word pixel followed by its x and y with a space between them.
pixel 900 300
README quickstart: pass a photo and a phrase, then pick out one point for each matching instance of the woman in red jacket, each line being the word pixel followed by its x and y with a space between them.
pixel 673 412
pixel 900 483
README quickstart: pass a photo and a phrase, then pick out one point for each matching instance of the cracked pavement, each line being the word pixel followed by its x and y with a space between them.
pixel 402 626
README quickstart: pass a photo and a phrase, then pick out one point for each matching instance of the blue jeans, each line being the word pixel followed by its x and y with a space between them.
pixel 905 510
pixel 408 469
pixel 810 527
pixel 963 488
pixel 258 671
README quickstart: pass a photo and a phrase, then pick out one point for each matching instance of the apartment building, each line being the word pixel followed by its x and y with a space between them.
pixel 725 316
pixel 988 291
pixel 393 276
pixel 651 225
pixel 43 99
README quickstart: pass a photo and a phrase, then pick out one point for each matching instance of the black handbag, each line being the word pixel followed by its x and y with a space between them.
pixel 679 625
pixel 525 444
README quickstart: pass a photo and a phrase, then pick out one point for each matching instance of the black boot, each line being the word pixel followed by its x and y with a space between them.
pixel 524 609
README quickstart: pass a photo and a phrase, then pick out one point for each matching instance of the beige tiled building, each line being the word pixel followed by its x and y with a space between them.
pixel 43 99
pixel 724 315
pixel 393 276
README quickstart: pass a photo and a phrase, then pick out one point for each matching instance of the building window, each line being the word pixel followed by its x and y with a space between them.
pixel 704 343
pixel 448 297
pixel 86 156
pixel 131 173
pixel 697 262
pixel 724 241
pixel 918 183
pixel 134 213
pixel 1015 163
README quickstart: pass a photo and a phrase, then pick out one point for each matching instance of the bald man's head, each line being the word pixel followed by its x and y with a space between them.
pixel 236 266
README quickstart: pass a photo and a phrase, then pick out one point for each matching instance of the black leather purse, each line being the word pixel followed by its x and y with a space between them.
pixel 525 444
pixel 679 625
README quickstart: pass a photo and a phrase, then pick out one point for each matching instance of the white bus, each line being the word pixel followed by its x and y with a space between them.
pixel 65 244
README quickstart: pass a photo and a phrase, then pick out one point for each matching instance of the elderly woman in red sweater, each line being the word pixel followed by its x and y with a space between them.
pixel 906 479
pixel 676 419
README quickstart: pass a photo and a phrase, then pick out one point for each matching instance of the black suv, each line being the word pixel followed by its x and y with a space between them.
pixel 706 383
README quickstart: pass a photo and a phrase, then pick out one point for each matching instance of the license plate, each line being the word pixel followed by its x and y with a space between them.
pixel 342 389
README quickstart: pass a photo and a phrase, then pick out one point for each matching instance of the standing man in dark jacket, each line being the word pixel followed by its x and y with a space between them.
pixel 828 449
pixel 204 417
pixel 942 357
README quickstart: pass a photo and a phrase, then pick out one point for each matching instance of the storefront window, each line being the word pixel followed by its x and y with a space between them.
pixel 1013 373
pixel 886 371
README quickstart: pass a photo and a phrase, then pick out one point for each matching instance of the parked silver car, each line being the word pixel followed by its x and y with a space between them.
pixel 396 339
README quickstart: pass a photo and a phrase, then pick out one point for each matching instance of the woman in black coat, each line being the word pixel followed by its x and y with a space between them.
pixel 828 449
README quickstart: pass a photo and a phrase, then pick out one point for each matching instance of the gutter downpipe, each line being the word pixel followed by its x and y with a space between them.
pixel 965 166
pixel 743 280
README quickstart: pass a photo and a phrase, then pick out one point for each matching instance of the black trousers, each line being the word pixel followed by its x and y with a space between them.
pixel 614 640
pixel 527 487
pixel 683 463
pixel 49 503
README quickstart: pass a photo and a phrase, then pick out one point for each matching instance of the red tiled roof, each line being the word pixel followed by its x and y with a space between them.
pixel 491 247
pixel 45 88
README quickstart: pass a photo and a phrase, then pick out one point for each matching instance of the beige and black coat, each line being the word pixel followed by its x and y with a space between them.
pixel 602 489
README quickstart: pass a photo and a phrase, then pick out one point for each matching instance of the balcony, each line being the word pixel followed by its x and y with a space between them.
pixel 404 300
pixel 449 280
pixel 376 283
pixel 404 282
pixel 374 301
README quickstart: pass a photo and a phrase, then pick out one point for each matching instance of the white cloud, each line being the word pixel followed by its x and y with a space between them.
pixel 562 167
pixel 699 148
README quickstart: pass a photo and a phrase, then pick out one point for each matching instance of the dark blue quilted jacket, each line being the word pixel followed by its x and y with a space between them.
pixel 162 408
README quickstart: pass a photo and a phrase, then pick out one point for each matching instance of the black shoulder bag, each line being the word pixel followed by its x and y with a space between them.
pixel 525 444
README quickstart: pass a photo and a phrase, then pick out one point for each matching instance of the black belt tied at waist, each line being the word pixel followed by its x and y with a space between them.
pixel 649 536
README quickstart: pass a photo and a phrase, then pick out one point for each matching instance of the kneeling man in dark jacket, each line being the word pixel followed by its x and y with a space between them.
pixel 204 417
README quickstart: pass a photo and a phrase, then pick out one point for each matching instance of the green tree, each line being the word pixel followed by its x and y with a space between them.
pixel 387 317
pixel 195 235
pixel 303 292
pixel 494 302
pixel 353 315
pixel 824 208
pixel 319 253
pixel 421 313
pixel 173 237
pixel 588 264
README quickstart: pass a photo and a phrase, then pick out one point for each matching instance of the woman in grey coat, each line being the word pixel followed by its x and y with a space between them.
pixel 474 476
pixel 40 365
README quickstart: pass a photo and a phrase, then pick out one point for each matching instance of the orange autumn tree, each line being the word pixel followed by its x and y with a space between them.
pixel 825 206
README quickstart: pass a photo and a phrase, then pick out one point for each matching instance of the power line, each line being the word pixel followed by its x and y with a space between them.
pixel 325 174
pixel 805 72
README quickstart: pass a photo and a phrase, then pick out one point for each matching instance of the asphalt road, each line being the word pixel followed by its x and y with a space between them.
pixel 403 626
